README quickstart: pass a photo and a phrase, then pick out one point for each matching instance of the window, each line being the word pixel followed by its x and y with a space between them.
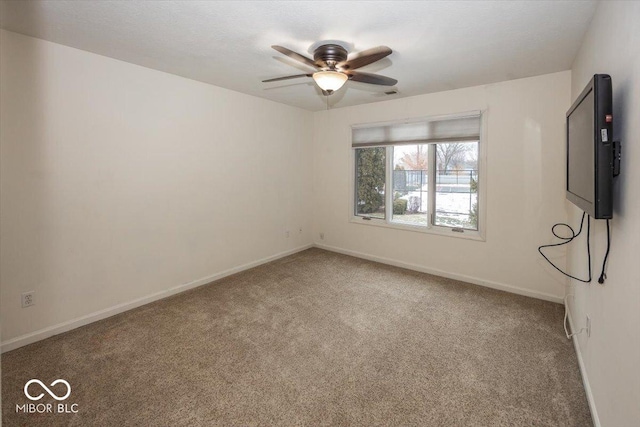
pixel 421 174
pixel 370 179
pixel 411 184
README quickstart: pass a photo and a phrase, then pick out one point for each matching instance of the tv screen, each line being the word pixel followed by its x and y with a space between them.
pixel 590 149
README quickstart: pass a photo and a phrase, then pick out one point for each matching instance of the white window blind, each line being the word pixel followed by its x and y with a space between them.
pixel 426 131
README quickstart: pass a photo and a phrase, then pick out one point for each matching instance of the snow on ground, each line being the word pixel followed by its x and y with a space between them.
pixel 452 209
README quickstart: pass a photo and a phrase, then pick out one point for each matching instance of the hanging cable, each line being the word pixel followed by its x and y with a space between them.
pixel 603 275
pixel 567 240
pixel 566 314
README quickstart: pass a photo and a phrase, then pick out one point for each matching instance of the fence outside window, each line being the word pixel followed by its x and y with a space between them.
pixel 413 184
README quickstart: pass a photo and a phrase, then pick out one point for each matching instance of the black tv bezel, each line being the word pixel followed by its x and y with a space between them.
pixel 602 205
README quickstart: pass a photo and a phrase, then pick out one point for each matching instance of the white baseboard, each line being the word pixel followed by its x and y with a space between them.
pixel 442 273
pixel 50 331
pixel 583 373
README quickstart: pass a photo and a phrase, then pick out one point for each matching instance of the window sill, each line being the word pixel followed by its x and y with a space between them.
pixel 439 231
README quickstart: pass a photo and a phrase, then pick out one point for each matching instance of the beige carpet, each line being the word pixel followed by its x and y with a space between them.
pixel 316 339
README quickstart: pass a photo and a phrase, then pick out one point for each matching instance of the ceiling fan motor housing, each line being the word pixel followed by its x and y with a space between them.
pixel 329 55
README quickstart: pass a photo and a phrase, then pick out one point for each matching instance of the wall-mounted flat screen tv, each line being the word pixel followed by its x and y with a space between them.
pixel 590 149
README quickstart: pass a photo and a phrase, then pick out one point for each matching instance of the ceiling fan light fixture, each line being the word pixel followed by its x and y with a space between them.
pixel 330 81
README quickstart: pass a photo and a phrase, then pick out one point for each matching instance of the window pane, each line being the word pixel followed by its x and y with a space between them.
pixel 457 185
pixel 410 184
pixel 370 180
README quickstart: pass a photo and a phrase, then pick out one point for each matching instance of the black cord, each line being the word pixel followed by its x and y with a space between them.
pixel 568 240
pixel 603 276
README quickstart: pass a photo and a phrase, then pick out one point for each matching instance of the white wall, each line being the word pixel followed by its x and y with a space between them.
pixel 612 353
pixel 119 182
pixel 524 183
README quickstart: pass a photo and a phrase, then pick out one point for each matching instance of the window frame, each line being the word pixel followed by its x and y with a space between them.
pixel 431 228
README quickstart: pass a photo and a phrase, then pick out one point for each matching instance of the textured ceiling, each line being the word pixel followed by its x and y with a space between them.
pixel 437 45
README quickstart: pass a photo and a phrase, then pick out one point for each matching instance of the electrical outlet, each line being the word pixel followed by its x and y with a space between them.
pixel 300 231
pixel 286 233
pixel 28 299
pixel 321 236
pixel 588 323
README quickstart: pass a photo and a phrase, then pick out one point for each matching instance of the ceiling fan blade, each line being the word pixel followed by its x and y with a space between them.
pixel 374 79
pixel 293 55
pixel 277 79
pixel 366 57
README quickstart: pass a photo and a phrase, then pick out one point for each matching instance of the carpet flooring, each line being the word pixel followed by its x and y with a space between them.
pixel 316 339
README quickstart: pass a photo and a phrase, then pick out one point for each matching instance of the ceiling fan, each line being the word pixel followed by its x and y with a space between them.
pixel 333 69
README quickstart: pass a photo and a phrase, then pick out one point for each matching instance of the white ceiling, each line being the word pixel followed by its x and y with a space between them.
pixel 438 45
